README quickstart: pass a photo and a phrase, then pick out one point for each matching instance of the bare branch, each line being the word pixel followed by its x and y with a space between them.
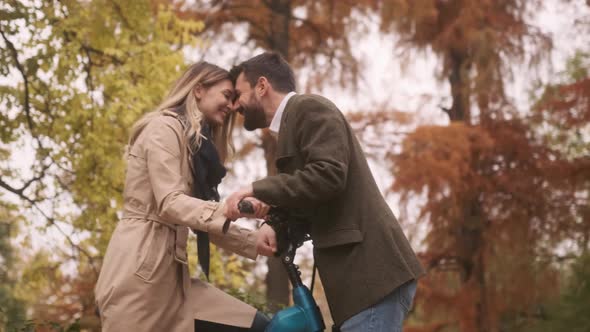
pixel 21 70
pixel 20 191
pixel 51 221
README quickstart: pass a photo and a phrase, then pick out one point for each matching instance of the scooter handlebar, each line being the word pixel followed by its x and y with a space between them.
pixel 245 206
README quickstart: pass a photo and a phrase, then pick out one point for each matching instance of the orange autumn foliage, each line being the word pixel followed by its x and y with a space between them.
pixel 500 197
pixel 498 203
pixel 310 33
pixel 477 41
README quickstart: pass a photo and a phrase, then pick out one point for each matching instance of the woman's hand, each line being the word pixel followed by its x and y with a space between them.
pixel 266 241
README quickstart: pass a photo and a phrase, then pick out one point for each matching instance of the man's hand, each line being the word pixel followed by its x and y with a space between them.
pixel 232 212
pixel 266 241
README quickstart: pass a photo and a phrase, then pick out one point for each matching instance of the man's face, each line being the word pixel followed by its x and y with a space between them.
pixel 249 106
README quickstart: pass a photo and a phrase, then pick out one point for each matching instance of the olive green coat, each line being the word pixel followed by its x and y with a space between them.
pixel 360 250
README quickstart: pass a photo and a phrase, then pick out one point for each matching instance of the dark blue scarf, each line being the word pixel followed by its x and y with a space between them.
pixel 207 167
pixel 207 174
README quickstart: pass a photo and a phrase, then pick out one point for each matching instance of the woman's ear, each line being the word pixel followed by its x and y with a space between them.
pixel 198 91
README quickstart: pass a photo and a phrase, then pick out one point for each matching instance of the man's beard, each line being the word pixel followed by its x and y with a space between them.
pixel 254 117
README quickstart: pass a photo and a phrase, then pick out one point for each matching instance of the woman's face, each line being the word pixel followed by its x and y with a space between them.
pixel 215 102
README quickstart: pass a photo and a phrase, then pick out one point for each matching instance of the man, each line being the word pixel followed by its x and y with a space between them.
pixel 367 266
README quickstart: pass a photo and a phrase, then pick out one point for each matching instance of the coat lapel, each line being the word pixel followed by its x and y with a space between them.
pixel 285 145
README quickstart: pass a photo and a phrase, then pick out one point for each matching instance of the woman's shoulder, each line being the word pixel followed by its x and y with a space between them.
pixel 166 120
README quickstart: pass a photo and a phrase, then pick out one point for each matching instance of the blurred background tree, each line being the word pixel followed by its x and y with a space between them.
pixel 495 200
pixel 500 198
pixel 78 74
pixel 12 310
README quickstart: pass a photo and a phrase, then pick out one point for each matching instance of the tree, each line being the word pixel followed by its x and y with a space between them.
pixel 499 197
pixel 478 42
pixel 12 309
pixel 57 300
pixel 308 33
pixel 570 312
pixel 498 205
pixel 562 113
pixel 80 73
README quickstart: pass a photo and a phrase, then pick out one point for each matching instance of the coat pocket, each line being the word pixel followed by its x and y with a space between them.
pixel 134 151
pixel 153 252
pixel 337 238
pixel 104 299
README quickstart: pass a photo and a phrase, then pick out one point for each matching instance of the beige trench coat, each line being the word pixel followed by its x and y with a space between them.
pixel 144 282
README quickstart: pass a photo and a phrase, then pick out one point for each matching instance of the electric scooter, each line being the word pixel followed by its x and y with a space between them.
pixel 304 315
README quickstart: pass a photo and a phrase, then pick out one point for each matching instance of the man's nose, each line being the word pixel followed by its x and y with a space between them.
pixel 236 107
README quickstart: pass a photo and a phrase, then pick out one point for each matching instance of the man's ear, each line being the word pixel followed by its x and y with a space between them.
pixel 262 86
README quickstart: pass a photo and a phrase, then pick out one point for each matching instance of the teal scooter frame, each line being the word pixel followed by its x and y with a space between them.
pixel 304 315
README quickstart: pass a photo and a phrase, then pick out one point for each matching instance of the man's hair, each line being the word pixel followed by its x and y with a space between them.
pixel 270 65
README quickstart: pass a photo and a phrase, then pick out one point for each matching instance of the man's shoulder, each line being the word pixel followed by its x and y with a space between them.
pixel 312 100
pixel 306 105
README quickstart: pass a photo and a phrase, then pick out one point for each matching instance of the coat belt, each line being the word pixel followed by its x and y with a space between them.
pixel 180 233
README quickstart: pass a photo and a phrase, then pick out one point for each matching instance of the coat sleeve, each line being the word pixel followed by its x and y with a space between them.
pixel 163 153
pixel 321 136
pixel 239 240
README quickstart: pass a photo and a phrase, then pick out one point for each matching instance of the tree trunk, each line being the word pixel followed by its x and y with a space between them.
pixel 459 89
pixel 471 239
pixel 277 282
pixel 279 26
pixel 472 246
pixel 482 310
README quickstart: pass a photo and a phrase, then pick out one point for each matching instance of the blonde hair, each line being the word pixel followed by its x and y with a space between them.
pixel 199 74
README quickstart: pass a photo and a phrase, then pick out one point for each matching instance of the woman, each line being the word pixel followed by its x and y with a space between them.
pixel 174 157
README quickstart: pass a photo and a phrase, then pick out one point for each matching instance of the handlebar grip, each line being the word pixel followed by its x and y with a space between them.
pixel 245 207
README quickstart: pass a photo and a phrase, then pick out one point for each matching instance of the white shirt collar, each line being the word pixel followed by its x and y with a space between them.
pixel 275 124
